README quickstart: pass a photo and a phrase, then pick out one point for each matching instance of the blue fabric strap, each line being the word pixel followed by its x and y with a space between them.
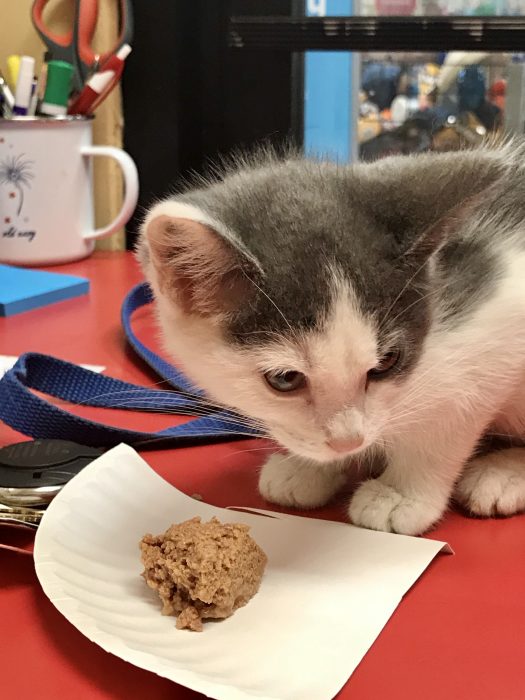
pixel 32 415
pixel 139 296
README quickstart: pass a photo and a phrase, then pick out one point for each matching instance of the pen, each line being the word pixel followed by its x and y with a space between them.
pixel 34 98
pixel 24 85
pixel 97 87
pixel 7 96
pixel 5 112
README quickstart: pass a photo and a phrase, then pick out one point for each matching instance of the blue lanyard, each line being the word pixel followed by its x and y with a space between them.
pixel 34 416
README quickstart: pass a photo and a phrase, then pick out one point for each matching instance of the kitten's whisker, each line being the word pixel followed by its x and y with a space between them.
pixel 289 457
pixel 198 398
pixel 414 406
pixel 118 392
pixel 263 332
pixel 418 388
pixel 201 402
pixel 414 303
pixel 162 393
pixel 255 449
pixel 232 418
pixel 249 435
pixel 269 299
pixel 419 398
pixel 403 290
pixel 196 414
pixel 419 409
pixel 508 436
pixel 204 433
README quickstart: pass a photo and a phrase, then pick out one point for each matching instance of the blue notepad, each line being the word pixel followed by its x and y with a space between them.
pixel 23 289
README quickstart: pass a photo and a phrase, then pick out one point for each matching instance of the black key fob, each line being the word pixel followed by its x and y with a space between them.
pixel 33 472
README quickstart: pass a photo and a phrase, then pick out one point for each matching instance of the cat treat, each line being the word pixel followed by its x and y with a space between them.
pixel 202 570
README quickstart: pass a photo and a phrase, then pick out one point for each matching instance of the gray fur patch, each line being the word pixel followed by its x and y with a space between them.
pixel 379 224
pixel 469 271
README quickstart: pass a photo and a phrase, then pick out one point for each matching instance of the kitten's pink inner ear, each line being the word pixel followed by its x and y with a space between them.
pixel 195 265
pixel 438 233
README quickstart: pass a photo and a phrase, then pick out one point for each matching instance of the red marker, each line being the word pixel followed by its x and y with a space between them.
pixel 100 85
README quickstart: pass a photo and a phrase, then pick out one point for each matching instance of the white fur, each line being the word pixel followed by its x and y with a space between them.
pixel 381 507
pixel 299 483
pixel 460 388
pixel 494 484
pixel 427 426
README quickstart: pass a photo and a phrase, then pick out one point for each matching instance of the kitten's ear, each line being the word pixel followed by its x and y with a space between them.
pixel 200 269
pixel 422 199
pixel 438 232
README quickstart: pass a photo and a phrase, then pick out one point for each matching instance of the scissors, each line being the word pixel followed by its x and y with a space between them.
pixel 75 46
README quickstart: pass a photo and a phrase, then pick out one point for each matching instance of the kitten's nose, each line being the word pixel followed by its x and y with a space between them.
pixel 346 445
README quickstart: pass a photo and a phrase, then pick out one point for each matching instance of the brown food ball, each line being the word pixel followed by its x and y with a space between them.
pixel 202 570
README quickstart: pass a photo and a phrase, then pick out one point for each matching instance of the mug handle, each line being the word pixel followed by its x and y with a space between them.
pixel 131 184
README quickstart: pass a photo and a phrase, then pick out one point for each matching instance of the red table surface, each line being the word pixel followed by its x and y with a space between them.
pixel 458 633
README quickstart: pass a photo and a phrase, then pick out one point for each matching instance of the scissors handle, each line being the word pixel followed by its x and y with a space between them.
pixel 84 31
pixel 125 33
pixel 85 19
pixel 76 45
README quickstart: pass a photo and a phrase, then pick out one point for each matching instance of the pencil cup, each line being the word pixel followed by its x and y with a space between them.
pixel 46 190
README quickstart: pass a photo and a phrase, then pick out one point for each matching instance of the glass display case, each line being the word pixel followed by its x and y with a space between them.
pixel 375 103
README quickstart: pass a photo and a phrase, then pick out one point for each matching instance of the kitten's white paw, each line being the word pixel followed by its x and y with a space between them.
pixel 494 484
pixel 290 481
pixel 377 506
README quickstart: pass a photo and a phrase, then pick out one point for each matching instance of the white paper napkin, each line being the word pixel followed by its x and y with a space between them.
pixel 7 361
pixel 328 590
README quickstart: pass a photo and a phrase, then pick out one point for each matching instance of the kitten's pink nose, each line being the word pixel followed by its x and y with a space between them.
pixel 346 445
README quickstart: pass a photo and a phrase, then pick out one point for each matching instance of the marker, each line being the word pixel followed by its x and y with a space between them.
pixel 58 88
pixel 7 97
pixel 13 68
pixel 24 85
pixel 97 87
pixel 34 98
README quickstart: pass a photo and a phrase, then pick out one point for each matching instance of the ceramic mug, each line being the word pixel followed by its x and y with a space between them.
pixel 46 190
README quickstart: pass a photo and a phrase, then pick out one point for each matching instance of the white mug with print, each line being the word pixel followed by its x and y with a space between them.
pixel 46 190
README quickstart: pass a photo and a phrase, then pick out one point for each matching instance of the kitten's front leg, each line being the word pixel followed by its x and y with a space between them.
pixel 494 484
pixel 413 492
pixel 289 480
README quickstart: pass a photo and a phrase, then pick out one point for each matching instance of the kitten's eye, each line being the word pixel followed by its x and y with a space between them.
pixel 285 381
pixel 387 362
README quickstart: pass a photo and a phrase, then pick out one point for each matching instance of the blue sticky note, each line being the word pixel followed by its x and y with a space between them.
pixel 22 289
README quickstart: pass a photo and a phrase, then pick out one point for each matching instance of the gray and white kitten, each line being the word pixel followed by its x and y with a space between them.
pixel 350 309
